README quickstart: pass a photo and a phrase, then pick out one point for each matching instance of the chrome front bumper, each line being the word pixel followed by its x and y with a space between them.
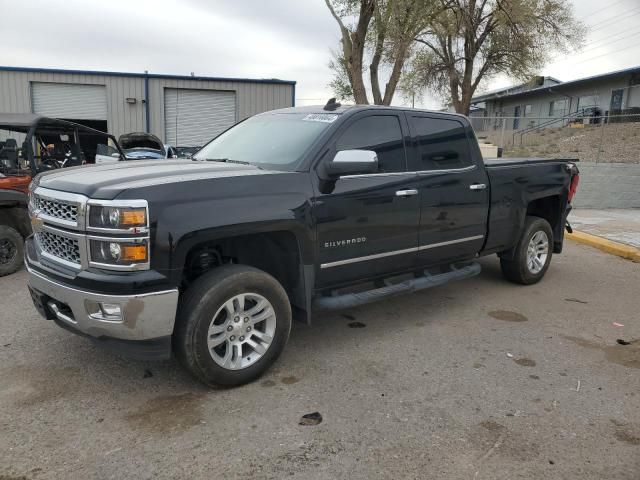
pixel 142 317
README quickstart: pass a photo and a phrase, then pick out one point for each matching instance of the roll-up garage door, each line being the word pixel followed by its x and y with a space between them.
pixel 69 100
pixel 193 117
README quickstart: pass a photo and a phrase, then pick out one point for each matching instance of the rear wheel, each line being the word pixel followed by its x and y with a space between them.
pixel 533 253
pixel 233 323
pixel 11 250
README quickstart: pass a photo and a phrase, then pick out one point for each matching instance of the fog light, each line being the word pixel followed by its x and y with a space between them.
pixel 115 250
pixel 110 312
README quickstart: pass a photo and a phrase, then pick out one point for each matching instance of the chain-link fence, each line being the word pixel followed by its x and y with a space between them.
pixel 587 136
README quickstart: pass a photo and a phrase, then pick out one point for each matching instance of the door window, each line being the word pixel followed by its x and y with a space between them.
pixel 380 133
pixel 442 144
pixel 616 100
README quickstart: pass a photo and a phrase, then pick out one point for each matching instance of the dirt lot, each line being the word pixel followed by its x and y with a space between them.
pixel 480 379
pixel 617 142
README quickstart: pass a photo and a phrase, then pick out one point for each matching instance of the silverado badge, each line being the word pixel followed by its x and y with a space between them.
pixel 344 243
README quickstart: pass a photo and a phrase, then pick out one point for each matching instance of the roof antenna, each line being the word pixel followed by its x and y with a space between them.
pixel 332 105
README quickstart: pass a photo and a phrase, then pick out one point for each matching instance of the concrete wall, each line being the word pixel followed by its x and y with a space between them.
pixel 608 185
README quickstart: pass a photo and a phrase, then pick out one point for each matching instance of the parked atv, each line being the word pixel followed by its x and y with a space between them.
pixel 14 221
pixel 30 144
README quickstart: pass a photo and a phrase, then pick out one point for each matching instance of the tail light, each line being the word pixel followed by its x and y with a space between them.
pixel 574 186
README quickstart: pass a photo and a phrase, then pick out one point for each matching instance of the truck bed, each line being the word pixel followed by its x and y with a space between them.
pixel 516 184
pixel 511 162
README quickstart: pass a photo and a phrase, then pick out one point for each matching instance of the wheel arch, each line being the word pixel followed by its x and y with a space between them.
pixel 278 252
pixel 15 215
pixel 548 207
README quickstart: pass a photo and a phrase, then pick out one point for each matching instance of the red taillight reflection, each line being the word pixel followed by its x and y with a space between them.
pixel 574 186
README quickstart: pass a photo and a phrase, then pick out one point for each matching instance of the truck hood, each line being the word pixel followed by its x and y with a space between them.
pixel 140 140
pixel 109 180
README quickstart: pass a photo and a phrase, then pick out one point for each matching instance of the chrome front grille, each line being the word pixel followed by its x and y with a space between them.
pixel 57 209
pixel 63 235
pixel 65 248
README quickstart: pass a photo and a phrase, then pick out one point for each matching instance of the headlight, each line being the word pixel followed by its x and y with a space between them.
pixel 117 218
pixel 129 253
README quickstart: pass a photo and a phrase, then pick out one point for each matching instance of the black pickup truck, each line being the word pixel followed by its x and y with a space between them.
pixel 286 212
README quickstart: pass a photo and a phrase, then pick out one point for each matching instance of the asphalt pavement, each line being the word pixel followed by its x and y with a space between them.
pixel 479 379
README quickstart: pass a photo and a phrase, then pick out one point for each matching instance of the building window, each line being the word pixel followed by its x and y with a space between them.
pixel 527 110
pixel 558 108
pixel 587 101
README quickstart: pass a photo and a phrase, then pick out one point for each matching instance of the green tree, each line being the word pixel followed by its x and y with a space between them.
pixel 379 33
pixel 470 41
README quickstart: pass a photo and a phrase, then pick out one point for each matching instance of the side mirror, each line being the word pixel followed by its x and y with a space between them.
pixel 352 162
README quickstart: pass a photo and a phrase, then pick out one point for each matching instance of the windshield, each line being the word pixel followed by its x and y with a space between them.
pixel 276 140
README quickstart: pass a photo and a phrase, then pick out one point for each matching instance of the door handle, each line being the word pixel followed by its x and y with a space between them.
pixel 406 193
pixel 478 186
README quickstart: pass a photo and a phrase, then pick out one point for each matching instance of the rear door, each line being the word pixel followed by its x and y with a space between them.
pixel 454 189
pixel 367 225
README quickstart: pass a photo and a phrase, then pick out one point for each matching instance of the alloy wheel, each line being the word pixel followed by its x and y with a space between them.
pixel 537 252
pixel 241 331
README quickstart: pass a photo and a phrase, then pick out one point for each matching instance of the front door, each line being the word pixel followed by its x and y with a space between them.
pixel 454 189
pixel 616 100
pixel 516 117
pixel 367 225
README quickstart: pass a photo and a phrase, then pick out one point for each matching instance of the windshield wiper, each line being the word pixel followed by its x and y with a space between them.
pixel 228 160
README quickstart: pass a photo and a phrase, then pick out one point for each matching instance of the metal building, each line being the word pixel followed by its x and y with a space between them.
pixel 181 110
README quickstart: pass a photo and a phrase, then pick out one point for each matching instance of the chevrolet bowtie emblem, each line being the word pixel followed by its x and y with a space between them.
pixel 36 222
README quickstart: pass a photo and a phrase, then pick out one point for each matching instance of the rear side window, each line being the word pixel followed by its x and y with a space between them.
pixel 380 133
pixel 442 144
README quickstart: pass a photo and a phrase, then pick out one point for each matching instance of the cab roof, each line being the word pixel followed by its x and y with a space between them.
pixel 359 108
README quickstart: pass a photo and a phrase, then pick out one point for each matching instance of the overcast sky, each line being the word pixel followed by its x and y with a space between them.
pixel 287 39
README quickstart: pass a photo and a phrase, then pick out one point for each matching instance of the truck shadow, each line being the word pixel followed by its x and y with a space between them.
pixel 70 366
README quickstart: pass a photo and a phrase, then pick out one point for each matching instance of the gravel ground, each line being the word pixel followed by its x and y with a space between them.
pixel 479 379
pixel 617 143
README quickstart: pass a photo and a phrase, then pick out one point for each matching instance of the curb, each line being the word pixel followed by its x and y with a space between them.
pixel 608 246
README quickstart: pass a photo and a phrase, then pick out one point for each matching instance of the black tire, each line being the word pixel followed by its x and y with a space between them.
pixel 196 312
pixel 517 270
pixel 11 250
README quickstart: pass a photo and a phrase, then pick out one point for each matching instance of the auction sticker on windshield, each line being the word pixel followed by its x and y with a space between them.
pixel 321 117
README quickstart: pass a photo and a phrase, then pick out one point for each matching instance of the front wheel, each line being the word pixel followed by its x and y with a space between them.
pixel 533 253
pixel 11 250
pixel 233 323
